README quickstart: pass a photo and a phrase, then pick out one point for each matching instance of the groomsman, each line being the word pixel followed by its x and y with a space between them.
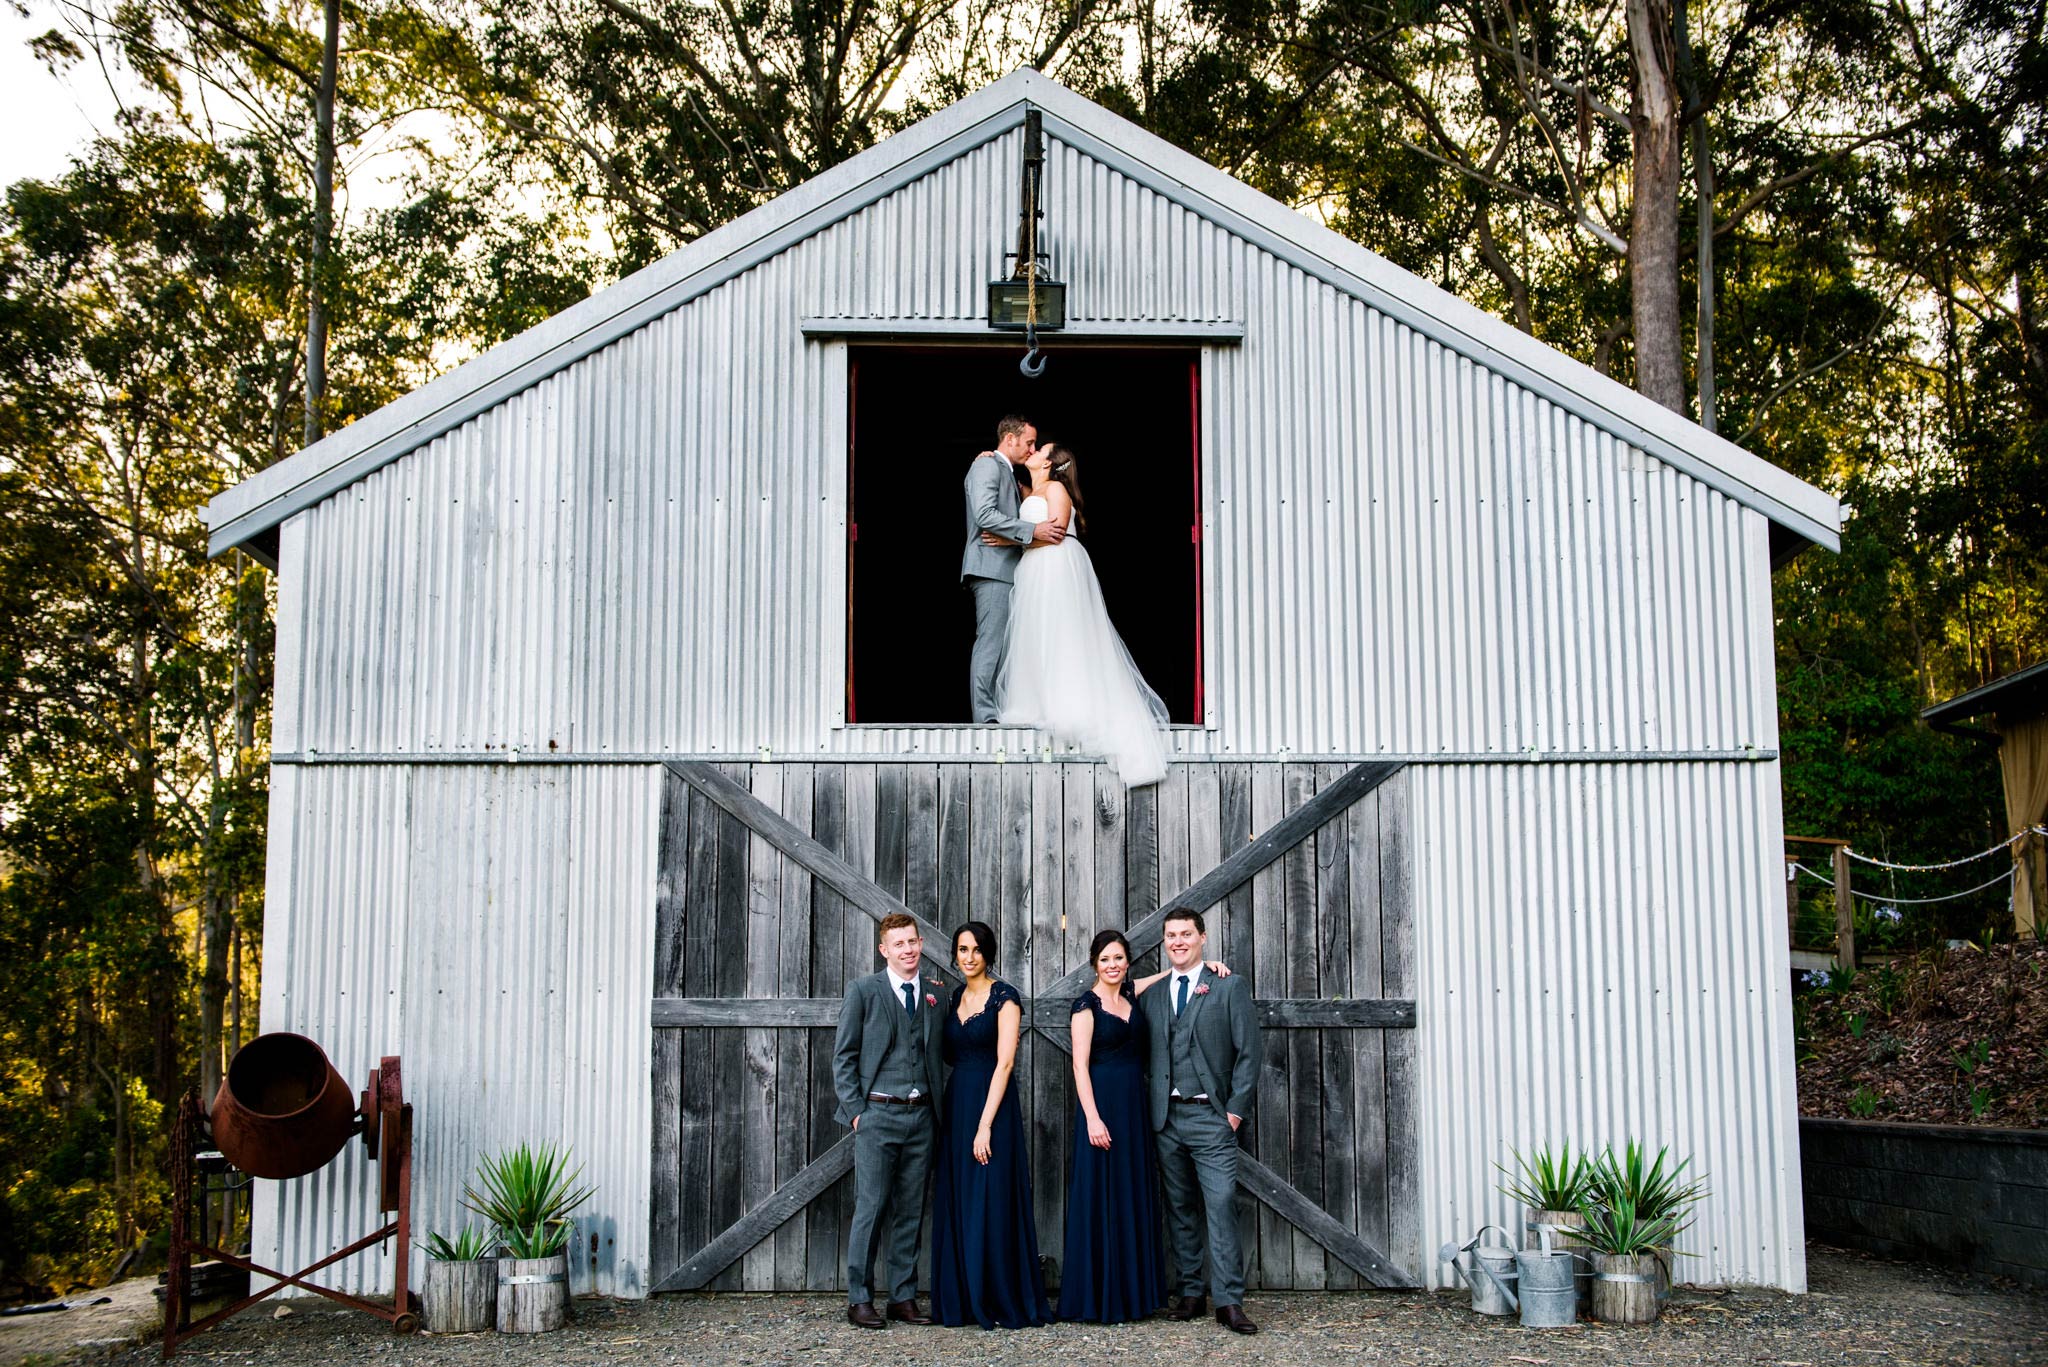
pixel 886 1072
pixel 1202 1075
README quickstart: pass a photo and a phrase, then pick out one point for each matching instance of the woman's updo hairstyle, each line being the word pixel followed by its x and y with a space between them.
pixel 1067 472
pixel 1103 940
pixel 984 940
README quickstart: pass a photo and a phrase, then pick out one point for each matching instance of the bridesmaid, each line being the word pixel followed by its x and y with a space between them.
pixel 1114 1268
pixel 984 1237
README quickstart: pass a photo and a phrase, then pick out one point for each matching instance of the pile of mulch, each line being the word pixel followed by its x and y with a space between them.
pixel 1986 1008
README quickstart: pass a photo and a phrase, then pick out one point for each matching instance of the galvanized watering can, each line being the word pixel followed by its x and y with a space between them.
pixel 1537 1282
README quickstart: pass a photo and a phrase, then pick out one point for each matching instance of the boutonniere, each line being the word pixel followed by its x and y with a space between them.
pixel 930 1000
pixel 1202 990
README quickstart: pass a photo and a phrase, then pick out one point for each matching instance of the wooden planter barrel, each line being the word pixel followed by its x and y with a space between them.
pixel 1582 1256
pixel 460 1297
pixel 1625 1287
pixel 533 1294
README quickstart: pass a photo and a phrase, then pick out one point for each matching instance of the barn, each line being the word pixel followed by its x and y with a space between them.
pixel 620 686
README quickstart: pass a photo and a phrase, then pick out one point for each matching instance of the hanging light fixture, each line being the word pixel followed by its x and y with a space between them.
pixel 1029 301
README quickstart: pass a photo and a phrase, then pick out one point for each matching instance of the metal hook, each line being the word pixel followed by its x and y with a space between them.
pixel 1033 364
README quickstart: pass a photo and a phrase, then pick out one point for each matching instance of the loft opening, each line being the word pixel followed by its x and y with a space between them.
pixel 918 415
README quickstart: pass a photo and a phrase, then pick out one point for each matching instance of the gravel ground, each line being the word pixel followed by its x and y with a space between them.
pixel 1859 1310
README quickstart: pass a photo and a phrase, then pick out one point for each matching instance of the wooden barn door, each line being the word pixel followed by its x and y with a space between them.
pixel 773 876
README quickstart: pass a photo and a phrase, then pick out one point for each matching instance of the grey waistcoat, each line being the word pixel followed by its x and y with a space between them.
pixel 903 1066
pixel 1181 1050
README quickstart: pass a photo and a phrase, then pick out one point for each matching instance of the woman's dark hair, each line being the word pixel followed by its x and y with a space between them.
pixel 1065 471
pixel 1103 940
pixel 984 940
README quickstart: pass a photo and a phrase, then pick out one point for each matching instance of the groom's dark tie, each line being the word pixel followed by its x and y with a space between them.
pixel 1180 998
pixel 909 1001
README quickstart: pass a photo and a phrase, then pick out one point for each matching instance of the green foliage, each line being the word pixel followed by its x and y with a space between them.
pixel 467 1247
pixel 1547 1180
pixel 1980 1101
pixel 1888 986
pixel 1863 1103
pixel 1856 1024
pixel 527 1193
pixel 1652 1190
pixel 1972 1057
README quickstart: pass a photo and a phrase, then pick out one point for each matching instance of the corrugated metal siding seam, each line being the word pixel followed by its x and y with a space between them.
pixel 493 928
pixel 1629 992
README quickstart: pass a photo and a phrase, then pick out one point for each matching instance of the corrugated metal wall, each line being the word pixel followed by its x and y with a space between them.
pixel 494 927
pixel 645 554
pixel 1601 955
pixel 1404 553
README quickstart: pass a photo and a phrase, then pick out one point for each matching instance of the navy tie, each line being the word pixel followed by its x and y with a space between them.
pixel 1180 999
pixel 909 1001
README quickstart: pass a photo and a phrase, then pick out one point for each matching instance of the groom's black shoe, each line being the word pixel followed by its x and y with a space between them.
pixel 865 1316
pixel 1233 1317
pixel 907 1312
pixel 1190 1308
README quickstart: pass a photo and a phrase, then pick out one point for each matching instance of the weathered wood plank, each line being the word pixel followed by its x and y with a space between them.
pixel 985 852
pixel 921 848
pixel 860 893
pixel 756 1085
pixel 890 817
pixel 1111 812
pixel 1397 969
pixel 825 1253
pixel 1141 852
pixel 956 851
pixel 704 1266
pixel 1298 1211
pixel 1174 869
pixel 664 1239
pixel 1013 927
pixel 1050 1089
pixel 863 786
pixel 793 1047
pixel 1338 1047
pixel 1369 1057
pixel 1304 1047
pixel 733 1079
pixel 699 1108
pixel 1232 930
pixel 671 886
pixel 1354 1013
pixel 1273 1121
pixel 1078 922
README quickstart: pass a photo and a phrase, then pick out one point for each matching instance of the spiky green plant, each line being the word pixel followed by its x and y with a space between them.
pixel 1543 1180
pixel 467 1247
pixel 1618 1228
pixel 527 1193
pixel 1640 1198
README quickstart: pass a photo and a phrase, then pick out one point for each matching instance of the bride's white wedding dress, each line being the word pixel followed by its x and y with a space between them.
pixel 1067 671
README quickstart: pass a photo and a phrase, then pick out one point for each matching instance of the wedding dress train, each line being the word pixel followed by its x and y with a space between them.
pixel 1065 669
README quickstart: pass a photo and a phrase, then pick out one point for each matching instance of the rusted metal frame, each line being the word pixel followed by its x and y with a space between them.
pixel 1213 886
pixel 285 1279
pixel 757 816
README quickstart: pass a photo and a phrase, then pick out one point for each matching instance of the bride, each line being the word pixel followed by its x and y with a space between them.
pixel 1066 670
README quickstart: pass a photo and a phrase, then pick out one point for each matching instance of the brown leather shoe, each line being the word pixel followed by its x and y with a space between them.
pixel 865 1316
pixel 1232 1317
pixel 907 1312
pixel 1190 1308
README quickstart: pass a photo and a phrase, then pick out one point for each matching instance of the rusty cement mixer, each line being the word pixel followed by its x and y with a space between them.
pixel 283 1112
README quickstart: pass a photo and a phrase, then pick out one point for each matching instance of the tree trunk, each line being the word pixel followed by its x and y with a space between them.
pixel 1653 226
pixel 1703 194
pixel 323 227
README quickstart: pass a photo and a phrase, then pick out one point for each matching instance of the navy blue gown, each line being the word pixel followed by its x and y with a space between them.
pixel 1115 1269
pixel 984 1237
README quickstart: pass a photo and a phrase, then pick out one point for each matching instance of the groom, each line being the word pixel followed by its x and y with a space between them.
pixel 1204 1066
pixel 885 1069
pixel 996 537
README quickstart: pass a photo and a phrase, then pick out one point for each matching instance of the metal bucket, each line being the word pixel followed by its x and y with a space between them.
pixel 1492 1274
pixel 282 1110
pixel 1549 1290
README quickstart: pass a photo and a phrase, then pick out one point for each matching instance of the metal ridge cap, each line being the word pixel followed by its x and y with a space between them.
pixel 1803 508
pixel 273 494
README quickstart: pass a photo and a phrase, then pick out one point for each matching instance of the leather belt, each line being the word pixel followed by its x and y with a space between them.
pixel 1179 1100
pixel 887 1100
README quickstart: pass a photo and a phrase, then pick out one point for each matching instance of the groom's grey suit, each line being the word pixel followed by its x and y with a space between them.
pixel 883 1047
pixel 991 488
pixel 1207 1048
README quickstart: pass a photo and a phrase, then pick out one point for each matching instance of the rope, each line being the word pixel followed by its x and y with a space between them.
pixel 1854 891
pixel 2000 847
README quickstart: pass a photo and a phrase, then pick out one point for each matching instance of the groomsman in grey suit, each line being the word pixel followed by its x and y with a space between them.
pixel 1202 1075
pixel 886 1071
pixel 996 539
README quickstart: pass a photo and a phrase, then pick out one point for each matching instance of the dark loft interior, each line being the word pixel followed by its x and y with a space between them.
pixel 918 417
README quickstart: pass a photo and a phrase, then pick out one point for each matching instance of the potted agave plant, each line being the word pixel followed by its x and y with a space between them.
pixel 1551 1186
pixel 1635 1211
pixel 527 1194
pixel 461 1294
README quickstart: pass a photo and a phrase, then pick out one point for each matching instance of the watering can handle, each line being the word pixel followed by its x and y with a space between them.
pixel 1487 1272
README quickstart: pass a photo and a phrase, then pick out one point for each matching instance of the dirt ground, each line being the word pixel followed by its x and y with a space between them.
pixel 1858 1310
pixel 130 1314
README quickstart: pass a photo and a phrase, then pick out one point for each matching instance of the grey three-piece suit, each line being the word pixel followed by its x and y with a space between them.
pixel 986 571
pixel 1209 1047
pixel 885 1047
